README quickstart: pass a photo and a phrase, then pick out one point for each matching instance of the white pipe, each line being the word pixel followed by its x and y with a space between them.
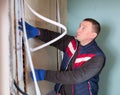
pixel 58 13
pixel 50 21
pixel 59 20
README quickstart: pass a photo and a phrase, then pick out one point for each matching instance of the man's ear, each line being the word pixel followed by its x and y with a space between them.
pixel 94 35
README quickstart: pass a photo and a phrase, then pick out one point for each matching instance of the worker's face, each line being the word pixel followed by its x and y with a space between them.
pixel 85 32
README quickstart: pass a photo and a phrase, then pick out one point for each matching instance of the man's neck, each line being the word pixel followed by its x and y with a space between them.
pixel 85 42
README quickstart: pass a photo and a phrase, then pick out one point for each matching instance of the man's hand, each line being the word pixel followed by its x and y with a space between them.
pixel 39 73
pixel 31 30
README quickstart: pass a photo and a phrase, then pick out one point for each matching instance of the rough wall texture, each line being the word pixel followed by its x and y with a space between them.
pixel 46 58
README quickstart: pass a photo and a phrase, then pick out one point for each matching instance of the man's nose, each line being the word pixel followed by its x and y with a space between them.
pixel 79 30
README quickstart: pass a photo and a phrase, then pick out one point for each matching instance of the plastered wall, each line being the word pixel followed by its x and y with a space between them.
pixel 46 58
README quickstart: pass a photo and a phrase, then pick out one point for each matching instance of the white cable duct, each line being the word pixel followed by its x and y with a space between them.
pixel 49 21
pixel 28 51
pixel 19 43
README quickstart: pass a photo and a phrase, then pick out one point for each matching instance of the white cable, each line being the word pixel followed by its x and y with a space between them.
pixel 50 21
pixel 28 52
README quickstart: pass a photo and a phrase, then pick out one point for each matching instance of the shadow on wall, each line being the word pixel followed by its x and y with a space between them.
pixel 110 59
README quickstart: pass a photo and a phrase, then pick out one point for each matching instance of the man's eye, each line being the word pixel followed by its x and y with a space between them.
pixel 83 28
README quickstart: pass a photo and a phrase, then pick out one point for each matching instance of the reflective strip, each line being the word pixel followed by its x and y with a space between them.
pixel 89 87
pixel 78 60
pixel 71 48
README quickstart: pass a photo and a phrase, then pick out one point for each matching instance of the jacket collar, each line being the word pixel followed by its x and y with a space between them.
pixel 89 45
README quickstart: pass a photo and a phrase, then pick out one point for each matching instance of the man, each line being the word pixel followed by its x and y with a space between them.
pixel 82 62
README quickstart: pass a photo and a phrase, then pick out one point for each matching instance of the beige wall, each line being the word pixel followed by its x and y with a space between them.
pixel 45 58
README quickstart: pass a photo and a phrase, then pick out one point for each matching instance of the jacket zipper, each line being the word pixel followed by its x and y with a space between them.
pixel 67 67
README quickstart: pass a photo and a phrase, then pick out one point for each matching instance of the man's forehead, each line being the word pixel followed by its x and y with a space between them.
pixel 85 23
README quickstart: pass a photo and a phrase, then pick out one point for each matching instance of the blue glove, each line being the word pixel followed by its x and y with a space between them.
pixel 31 30
pixel 39 73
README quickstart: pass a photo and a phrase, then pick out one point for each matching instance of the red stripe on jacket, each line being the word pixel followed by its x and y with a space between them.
pixel 71 48
pixel 81 59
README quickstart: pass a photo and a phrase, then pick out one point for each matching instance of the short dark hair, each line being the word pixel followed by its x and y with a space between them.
pixel 95 23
